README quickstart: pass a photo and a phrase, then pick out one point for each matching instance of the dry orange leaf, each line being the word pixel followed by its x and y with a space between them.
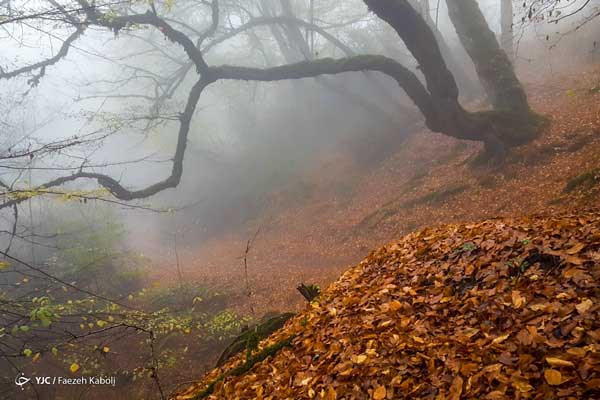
pixel 456 388
pixel 359 359
pixel 522 386
pixel 395 305
pixel 517 299
pixel 553 377
pixel 577 351
pixel 380 393
pixel 331 394
pixel 559 362
pixel 500 339
pixel 418 339
pixel 576 249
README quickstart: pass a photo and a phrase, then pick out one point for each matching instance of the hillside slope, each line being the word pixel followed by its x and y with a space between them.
pixel 499 309
pixel 314 233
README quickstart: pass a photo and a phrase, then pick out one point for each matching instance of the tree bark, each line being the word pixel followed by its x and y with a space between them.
pixel 492 64
pixel 464 81
pixel 506 23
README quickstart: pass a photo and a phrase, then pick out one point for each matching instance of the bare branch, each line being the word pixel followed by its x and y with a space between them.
pixel 113 186
pixel 214 6
pixel 148 18
pixel 261 21
pixel 64 50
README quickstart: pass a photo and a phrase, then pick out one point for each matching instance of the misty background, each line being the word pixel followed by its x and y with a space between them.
pixel 255 150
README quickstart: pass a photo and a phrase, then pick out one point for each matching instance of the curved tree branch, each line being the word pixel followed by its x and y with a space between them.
pixel 62 52
pixel 328 66
pixel 438 101
pixel 114 186
pixel 148 18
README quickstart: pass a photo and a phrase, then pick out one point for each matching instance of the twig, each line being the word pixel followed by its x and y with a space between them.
pixel 249 244
pixel 179 273
pixel 154 367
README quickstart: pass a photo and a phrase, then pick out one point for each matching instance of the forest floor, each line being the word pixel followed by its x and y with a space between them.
pixel 429 181
pixel 500 309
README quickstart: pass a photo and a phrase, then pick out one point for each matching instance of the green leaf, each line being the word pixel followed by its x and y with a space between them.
pixel 27 352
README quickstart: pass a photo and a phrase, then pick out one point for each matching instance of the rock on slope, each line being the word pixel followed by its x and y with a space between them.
pixel 501 309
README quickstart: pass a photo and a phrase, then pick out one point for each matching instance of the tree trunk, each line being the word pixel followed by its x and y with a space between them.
pixel 506 23
pixel 465 82
pixel 511 122
pixel 492 64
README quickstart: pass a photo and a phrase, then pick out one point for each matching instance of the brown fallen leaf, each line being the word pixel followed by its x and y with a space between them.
pixel 584 306
pixel 517 299
pixel 380 393
pixel 522 386
pixel 395 305
pixel 456 388
pixel 500 339
pixel 553 377
pixel 559 362
pixel 331 394
pixel 593 384
pixel 576 248
pixel 359 359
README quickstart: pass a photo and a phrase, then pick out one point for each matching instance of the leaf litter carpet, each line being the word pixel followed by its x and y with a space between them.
pixel 499 309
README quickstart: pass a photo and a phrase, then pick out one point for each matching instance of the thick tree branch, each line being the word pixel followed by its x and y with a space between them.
pixel 327 66
pixel 420 41
pixel 114 186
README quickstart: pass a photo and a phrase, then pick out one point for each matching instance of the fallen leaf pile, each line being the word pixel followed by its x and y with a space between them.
pixel 501 309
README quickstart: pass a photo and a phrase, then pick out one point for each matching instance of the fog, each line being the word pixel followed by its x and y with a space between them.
pixel 257 152
pixel 247 139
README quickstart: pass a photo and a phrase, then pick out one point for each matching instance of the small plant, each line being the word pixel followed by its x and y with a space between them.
pixel 309 292
pixel 468 246
pixel 517 267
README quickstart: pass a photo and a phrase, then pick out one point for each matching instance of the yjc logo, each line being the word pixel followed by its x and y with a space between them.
pixel 21 380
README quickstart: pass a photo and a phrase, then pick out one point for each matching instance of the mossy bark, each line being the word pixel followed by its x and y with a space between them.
pixel 493 66
pixel 256 333
pixel 245 367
